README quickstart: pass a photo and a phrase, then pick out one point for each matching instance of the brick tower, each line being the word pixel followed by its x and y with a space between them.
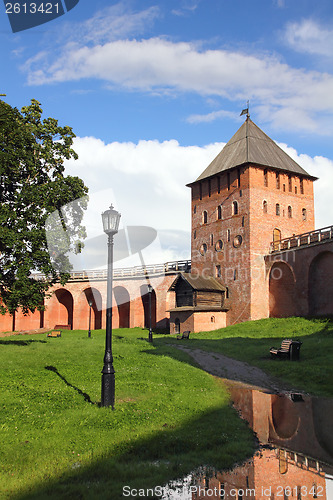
pixel 251 194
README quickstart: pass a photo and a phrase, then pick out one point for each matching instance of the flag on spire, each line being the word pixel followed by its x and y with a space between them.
pixel 246 110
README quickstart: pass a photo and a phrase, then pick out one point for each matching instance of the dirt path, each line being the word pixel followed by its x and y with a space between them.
pixel 24 332
pixel 235 372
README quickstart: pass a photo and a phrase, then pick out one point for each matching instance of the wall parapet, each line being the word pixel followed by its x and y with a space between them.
pixel 172 267
pixel 301 240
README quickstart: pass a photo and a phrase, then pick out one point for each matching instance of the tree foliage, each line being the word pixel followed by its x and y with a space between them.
pixel 33 187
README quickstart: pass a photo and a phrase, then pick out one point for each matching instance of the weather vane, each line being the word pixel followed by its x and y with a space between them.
pixel 246 111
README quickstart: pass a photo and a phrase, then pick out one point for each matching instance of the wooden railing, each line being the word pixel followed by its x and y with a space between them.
pixel 300 240
pixel 128 272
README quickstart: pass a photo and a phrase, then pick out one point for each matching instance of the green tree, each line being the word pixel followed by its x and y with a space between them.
pixel 33 186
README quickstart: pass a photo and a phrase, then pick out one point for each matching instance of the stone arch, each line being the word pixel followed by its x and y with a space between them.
pixel 285 418
pixel 282 294
pixel 66 307
pixel 322 409
pixel 321 284
pixel 145 303
pixel 122 299
pixel 94 296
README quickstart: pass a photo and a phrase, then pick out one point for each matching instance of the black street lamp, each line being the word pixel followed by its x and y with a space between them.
pixel 110 220
pixel 89 331
pixel 150 336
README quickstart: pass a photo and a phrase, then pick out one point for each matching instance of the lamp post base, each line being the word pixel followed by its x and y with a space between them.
pixel 108 389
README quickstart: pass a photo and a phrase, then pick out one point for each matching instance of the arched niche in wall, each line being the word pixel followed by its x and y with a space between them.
pixel 282 295
pixel 321 285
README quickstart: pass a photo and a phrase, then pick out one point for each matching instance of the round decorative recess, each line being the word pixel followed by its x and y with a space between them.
pixel 203 249
pixel 238 240
pixel 219 245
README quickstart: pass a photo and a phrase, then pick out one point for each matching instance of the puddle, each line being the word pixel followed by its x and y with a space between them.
pixel 295 459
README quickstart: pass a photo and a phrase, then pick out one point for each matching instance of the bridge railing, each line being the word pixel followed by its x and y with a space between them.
pixel 299 240
pixel 127 272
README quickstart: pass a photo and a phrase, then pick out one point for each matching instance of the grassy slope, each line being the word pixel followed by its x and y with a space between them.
pixel 58 443
pixel 251 342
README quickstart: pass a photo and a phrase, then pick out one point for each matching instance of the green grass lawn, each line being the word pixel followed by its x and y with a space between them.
pixel 252 340
pixel 57 442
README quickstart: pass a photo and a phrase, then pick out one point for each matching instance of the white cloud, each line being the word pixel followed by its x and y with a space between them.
pixel 157 64
pixel 148 178
pixel 310 37
pixel 322 168
pixel 210 117
pixel 146 182
pixel 186 7
pixel 111 23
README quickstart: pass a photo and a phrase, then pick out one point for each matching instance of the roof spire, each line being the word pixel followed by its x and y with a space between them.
pixel 246 111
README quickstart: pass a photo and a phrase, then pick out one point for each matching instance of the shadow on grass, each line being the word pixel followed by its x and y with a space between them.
pixel 84 394
pixel 21 342
pixel 167 454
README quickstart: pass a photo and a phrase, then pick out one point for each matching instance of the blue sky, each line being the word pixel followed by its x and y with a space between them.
pixel 153 90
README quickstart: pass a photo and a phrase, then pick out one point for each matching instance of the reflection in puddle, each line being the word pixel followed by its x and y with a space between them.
pixel 295 459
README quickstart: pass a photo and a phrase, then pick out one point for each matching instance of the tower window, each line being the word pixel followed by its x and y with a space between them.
pixel 211 239
pixel 304 214
pixel 295 189
pixel 277 209
pixel 195 209
pixel 284 187
pixel 264 206
pixel 302 186
pixel 200 191
pixel 290 212
pixel 277 180
pixel 218 271
pixel 235 274
pixel 290 183
pixel 219 212
pixel 234 208
pixel 228 235
pixel 194 234
pixel 204 217
pixel 265 178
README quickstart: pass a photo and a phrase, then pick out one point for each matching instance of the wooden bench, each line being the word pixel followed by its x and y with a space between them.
pixel 185 335
pixel 289 350
pixel 54 333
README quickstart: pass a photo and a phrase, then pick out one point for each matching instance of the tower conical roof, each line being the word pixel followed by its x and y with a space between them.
pixel 251 145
